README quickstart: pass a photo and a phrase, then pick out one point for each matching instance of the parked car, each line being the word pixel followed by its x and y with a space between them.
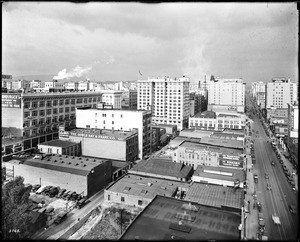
pixel 292 209
pixel 61 192
pixel 272 163
pixel 269 187
pixel 266 176
pixel 35 187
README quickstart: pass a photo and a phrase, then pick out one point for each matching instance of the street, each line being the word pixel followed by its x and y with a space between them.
pixel 55 231
pixel 281 195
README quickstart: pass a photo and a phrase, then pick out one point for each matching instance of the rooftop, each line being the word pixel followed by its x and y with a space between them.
pixel 237 144
pixel 59 143
pixel 171 218
pixel 221 115
pixel 221 173
pixel 206 114
pixel 211 148
pixel 103 133
pixel 162 167
pixel 215 195
pixel 64 163
pixel 145 186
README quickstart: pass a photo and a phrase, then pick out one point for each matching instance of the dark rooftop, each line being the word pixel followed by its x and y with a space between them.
pixel 237 144
pixel 59 143
pixel 206 114
pixel 169 218
pixel 162 167
pixel 64 163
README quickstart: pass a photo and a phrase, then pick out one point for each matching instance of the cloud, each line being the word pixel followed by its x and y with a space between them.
pixel 75 72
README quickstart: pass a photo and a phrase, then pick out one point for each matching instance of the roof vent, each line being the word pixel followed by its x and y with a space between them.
pixel 69 163
pixel 55 161
pixel 62 161
pixel 87 159
pixel 94 160
pixel 67 156
pixel 49 159
pixel 83 165
pixel 76 164
pixel 79 158
pixel 73 157
pixel 59 155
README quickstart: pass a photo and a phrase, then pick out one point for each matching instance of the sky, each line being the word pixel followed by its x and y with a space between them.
pixel 116 41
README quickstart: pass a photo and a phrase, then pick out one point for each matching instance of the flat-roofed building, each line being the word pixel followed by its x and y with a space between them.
pixel 82 175
pixel 293 120
pixel 139 191
pixel 229 143
pixel 103 143
pixel 216 196
pixel 197 154
pixel 60 147
pixel 167 218
pixel 219 176
pixel 39 115
pixel 232 121
pixel 122 120
pixel 162 168
pixel 71 86
pixel 205 120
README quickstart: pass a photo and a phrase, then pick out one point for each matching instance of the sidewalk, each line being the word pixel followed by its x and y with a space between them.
pixel 251 215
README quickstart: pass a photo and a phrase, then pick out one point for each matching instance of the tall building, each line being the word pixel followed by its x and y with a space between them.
pixel 71 86
pixel 121 120
pixel 113 98
pixel 293 120
pixel 229 93
pixel 37 116
pixel 281 92
pixel 167 98
pixel 257 87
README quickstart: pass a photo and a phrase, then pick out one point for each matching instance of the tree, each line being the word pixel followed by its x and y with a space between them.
pixel 15 201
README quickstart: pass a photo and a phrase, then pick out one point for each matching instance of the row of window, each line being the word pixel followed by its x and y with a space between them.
pixel 61 102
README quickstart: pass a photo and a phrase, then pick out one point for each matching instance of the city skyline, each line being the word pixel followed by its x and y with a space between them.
pixel 130 41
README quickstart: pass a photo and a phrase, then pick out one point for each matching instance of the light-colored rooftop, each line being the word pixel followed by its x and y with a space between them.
pixel 145 186
pixel 233 174
pixel 206 114
pixel 238 144
pixel 103 133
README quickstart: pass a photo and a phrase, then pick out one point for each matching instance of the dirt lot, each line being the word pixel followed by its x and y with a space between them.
pixel 109 226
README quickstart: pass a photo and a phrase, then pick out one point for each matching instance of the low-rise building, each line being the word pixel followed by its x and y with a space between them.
pixel 103 143
pixel 60 147
pixel 113 98
pixel 162 168
pixel 197 154
pixel 159 137
pixel 219 176
pixel 175 219
pixel 205 120
pixel 82 175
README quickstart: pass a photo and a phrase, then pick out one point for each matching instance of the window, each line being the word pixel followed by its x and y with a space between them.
pixel 61 102
pixel 48 111
pixel 122 199
pixel 108 197
pixel 88 126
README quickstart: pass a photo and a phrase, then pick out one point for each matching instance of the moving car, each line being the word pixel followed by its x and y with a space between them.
pixel 272 163
pixel 266 176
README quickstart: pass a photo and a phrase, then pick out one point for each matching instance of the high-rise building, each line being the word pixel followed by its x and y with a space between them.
pixel 293 120
pixel 280 92
pixel 167 98
pixel 226 93
pixel 121 120
pixel 6 79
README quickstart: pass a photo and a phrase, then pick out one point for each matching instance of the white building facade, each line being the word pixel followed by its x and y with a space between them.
pixel 227 92
pixel 126 120
pixel 167 98
pixel 113 98
pixel 281 92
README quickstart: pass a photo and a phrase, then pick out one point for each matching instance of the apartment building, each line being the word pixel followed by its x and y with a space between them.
pixel 38 115
pixel 167 98
pixel 280 92
pixel 257 87
pixel 6 79
pixel 54 86
pixel 293 120
pixel 227 94
pixel 119 120
pixel 113 98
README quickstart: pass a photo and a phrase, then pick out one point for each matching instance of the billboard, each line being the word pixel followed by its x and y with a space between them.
pixel 231 163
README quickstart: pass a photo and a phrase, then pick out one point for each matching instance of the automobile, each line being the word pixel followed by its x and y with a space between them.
pixel 281 161
pixel 40 190
pixel 269 187
pixel 272 163
pixel 60 192
pixel 35 187
pixel 266 176
pixel 53 192
pixel 292 209
pixel 81 203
